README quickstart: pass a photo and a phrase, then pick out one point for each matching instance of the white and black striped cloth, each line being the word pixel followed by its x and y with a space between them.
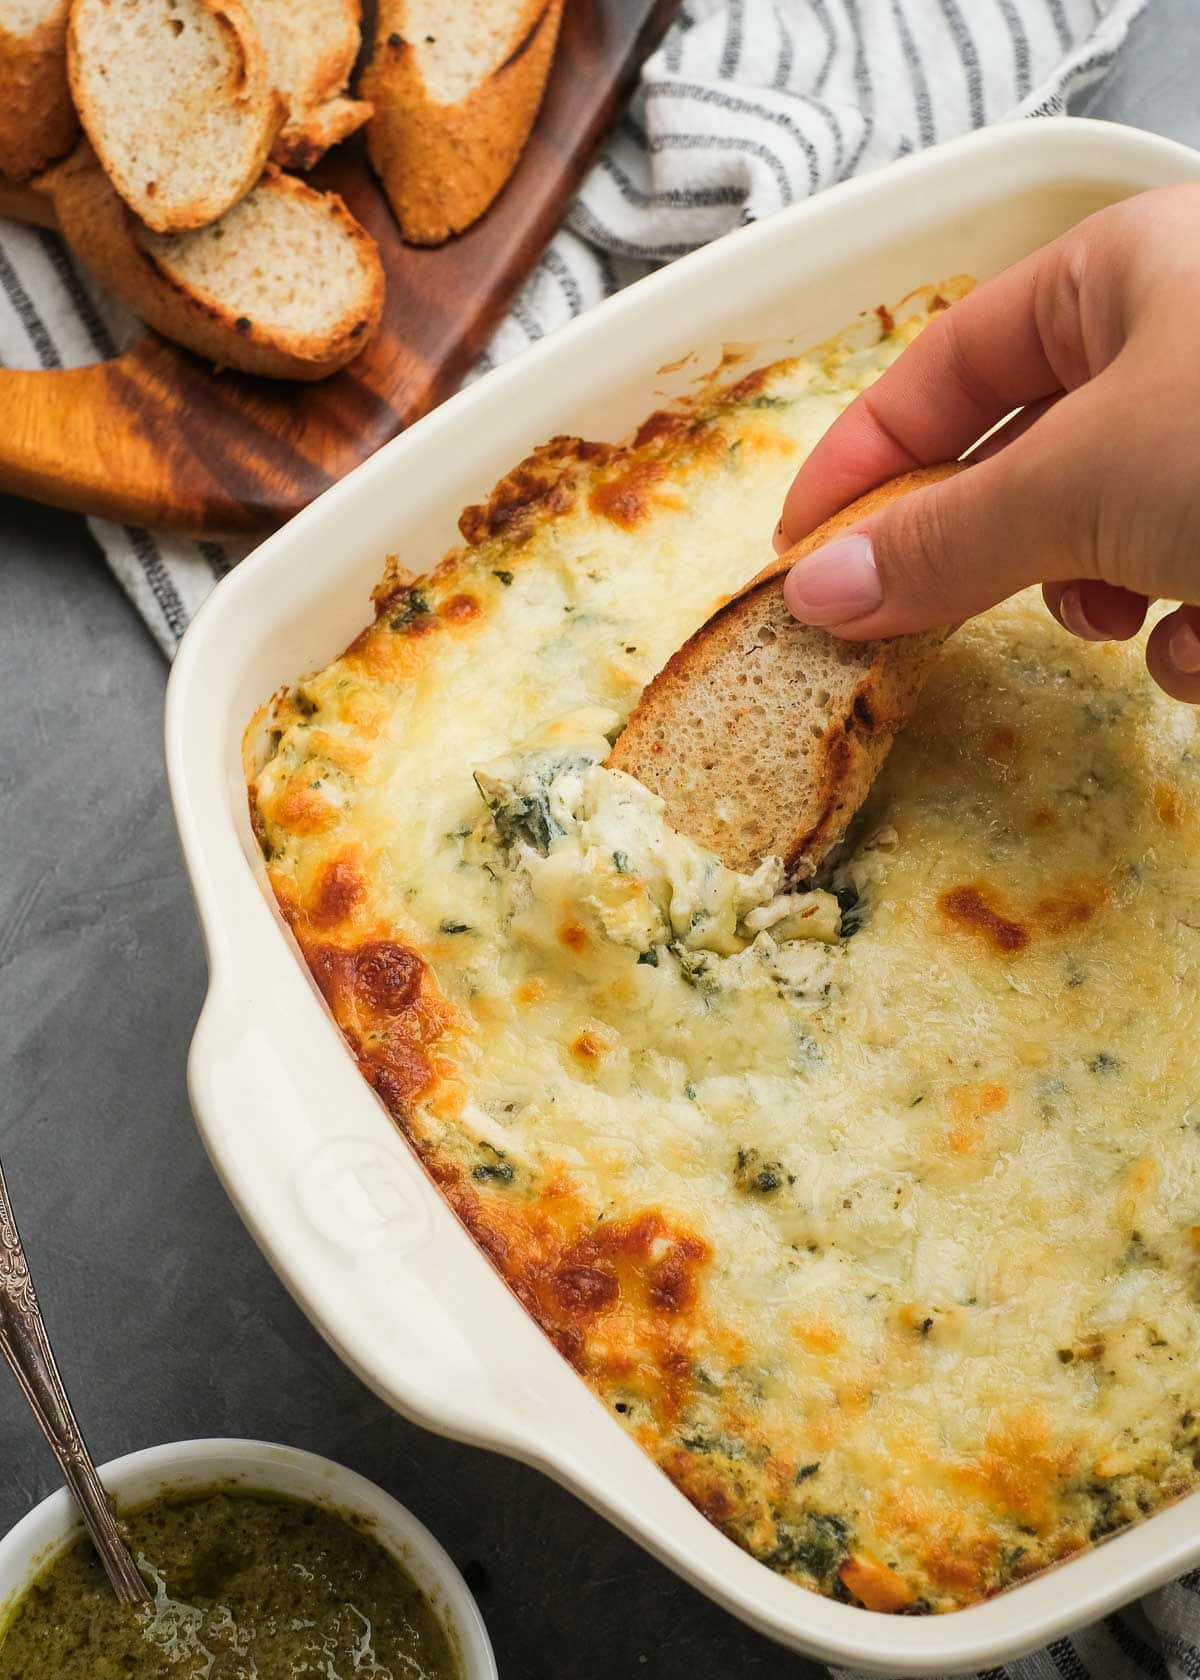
pixel 749 105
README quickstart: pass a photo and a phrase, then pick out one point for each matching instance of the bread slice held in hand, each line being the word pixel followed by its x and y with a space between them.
pixel 176 99
pixel 311 46
pixel 456 85
pixel 37 119
pixel 762 735
pixel 285 284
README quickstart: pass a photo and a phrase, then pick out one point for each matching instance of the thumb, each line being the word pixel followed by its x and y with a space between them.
pixel 942 553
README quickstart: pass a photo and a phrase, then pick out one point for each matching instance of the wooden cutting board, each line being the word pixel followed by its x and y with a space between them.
pixel 156 437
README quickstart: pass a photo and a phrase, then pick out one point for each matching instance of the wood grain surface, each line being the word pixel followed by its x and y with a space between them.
pixel 157 437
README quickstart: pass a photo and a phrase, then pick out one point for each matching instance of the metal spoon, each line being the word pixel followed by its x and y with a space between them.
pixel 26 1346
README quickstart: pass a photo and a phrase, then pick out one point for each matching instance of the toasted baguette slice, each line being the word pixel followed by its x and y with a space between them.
pixel 37 119
pixel 286 284
pixel 311 46
pixel 456 85
pixel 27 204
pixel 763 735
pixel 177 102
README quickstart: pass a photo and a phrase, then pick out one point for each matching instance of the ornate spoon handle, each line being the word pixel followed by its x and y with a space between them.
pixel 26 1346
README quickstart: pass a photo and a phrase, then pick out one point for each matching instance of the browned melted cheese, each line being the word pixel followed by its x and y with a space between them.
pixel 876 1222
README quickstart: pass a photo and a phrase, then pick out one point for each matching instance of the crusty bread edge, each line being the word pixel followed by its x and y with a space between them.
pixel 156 214
pixel 104 234
pixel 25 203
pixel 307 136
pixel 855 513
pixel 879 706
pixel 37 119
pixel 442 166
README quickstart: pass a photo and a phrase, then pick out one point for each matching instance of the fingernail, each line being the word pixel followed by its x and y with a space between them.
pixel 1074 615
pixel 1183 649
pixel 778 540
pixel 837 584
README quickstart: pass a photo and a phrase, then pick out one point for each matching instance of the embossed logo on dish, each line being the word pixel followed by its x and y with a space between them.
pixel 357 1195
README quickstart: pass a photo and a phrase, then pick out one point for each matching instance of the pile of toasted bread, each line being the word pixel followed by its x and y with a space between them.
pixel 171 137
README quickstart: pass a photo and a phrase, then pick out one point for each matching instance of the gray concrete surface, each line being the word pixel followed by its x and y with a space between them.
pixel 167 1321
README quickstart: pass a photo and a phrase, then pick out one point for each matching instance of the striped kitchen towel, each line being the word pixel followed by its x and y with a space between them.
pixel 747 106
pixel 1156 1640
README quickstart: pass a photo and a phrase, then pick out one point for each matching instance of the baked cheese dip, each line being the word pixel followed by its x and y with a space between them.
pixel 873 1214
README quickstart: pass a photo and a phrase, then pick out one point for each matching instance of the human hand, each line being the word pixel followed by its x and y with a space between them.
pixel 1092 490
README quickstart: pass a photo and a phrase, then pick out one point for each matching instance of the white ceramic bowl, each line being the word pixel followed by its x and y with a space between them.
pixel 258 1467
pixel 311 1159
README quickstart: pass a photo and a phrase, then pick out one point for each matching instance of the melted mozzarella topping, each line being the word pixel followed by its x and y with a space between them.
pixel 940 1133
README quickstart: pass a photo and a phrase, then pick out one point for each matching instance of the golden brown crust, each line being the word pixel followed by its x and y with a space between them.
pixel 37 119
pixel 763 736
pixel 600 1290
pixel 443 165
pixel 104 234
pixel 546 483
pixel 24 203
pixel 305 139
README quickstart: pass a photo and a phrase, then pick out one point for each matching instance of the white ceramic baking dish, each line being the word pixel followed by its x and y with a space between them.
pixel 310 1158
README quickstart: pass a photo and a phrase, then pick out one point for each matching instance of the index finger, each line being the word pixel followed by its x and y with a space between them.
pixel 969 368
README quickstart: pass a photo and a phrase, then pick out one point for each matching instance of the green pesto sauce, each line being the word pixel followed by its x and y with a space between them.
pixel 248 1587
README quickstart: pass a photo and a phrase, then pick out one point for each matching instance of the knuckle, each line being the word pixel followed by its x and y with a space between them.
pixel 1142 529
pixel 960 366
pixel 1058 312
pixel 1165 557
pixel 1083 523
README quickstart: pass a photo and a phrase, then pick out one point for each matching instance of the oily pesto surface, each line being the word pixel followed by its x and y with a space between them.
pixel 873 1215
pixel 247 1588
